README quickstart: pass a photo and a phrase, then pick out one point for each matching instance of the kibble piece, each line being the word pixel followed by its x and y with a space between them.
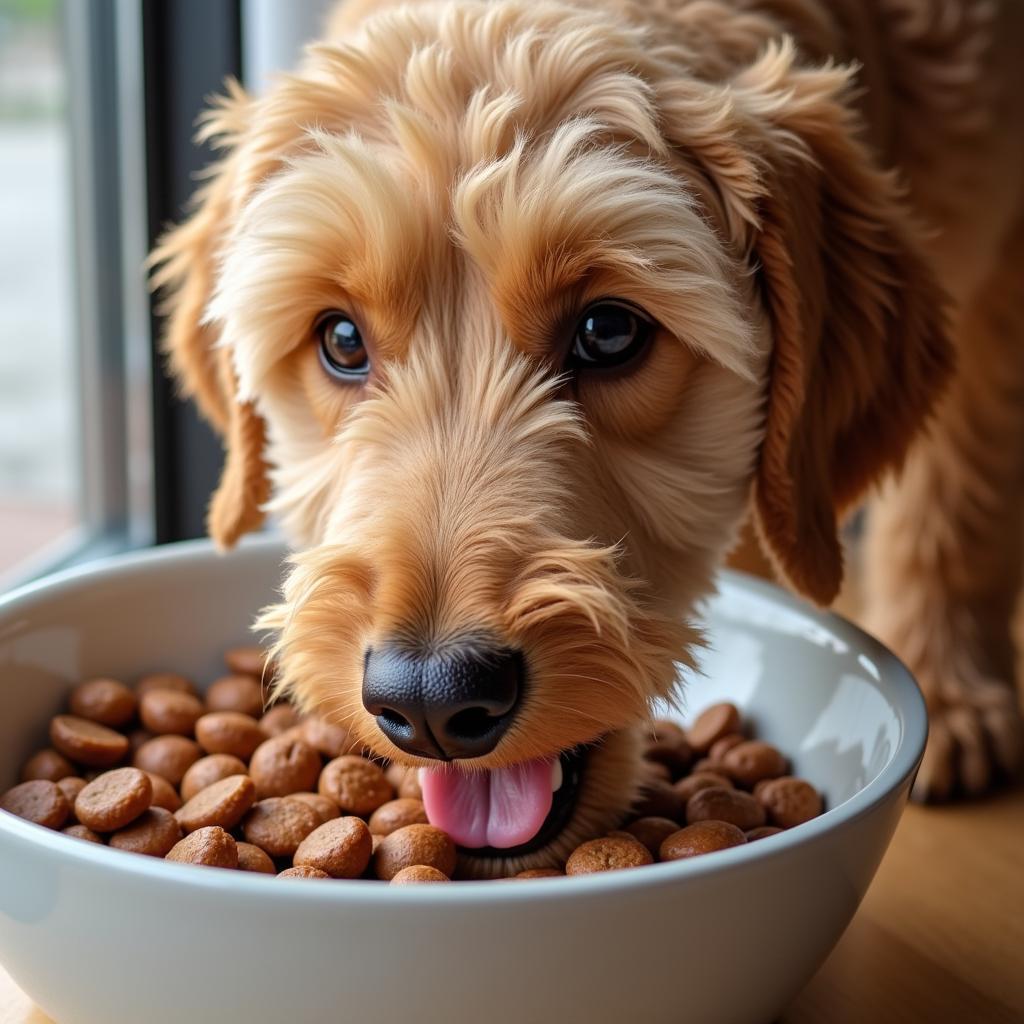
pixel 302 871
pixel 410 787
pixel 282 765
pixel 689 785
pixel 668 746
pixel 229 732
pixel 114 799
pixel 712 724
pixel 211 846
pixel 721 747
pixel 341 847
pixel 753 760
pixel 154 833
pixel 652 832
pixel 105 701
pixel 609 854
pixel 540 873
pixel 703 837
pixel 660 800
pixel 167 712
pixel 414 844
pixel 356 785
pixel 396 814
pixel 416 873
pixel 168 756
pixel 247 661
pixel 327 738
pixel 279 824
pixel 717 803
pixel 762 833
pixel 279 719
pixel 252 858
pixel 37 800
pixel 87 742
pixel 137 737
pixel 164 681
pixel 82 832
pixel 71 786
pixel 224 803
pixel 47 764
pixel 789 801
pixel 164 794
pixel 324 806
pixel 208 770
pixel 236 693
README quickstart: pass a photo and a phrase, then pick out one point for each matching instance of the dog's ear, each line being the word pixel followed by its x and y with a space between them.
pixel 185 263
pixel 860 351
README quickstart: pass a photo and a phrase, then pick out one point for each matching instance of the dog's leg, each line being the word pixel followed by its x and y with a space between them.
pixel 946 548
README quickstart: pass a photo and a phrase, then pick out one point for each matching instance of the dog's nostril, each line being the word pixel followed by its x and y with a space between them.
pixel 471 724
pixel 394 719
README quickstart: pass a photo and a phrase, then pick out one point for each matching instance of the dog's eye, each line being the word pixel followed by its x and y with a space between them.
pixel 342 351
pixel 609 334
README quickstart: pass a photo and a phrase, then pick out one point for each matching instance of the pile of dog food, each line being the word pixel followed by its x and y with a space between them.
pixel 216 780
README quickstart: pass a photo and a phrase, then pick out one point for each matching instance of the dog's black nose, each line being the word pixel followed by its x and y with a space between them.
pixel 445 705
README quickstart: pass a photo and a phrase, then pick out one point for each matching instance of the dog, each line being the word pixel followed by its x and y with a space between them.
pixel 513 314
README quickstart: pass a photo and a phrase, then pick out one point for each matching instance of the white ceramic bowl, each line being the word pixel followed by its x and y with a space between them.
pixel 96 936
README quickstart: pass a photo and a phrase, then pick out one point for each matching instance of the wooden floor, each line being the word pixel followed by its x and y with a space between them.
pixel 938 940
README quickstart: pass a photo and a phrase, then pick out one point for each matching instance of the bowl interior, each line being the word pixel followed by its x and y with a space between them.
pixel 830 698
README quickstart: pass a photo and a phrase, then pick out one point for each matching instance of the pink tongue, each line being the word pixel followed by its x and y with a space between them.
pixel 499 807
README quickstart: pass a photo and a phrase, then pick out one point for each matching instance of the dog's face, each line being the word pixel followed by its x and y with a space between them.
pixel 492 327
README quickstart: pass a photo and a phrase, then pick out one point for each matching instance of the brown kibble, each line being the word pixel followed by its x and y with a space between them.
pixel 167 712
pixel 652 832
pixel 168 756
pixel 208 770
pixel 540 873
pixel 164 681
pixel 37 800
pixel 229 732
pixel 236 693
pixel 660 800
pixel 722 747
pixel 252 858
pixel 278 825
pixel 247 661
pixel 154 833
pixel 689 785
pixel 712 724
pixel 47 764
pixel 763 832
pixel 326 808
pixel 212 847
pixel 341 847
pixel 164 794
pixel 396 814
pixel 137 737
pixel 416 873
pixel 82 832
pixel 282 765
pixel 302 871
pixel 753 760
pixel 414 844
pixel 224 803
pixel 114 799
pixel 87 742
pixel 71 786
pixel 327 738
pixel 703 837
pixel 717 803
pixel 356 785
pixel 668 747
pixel 105 701
pixel 789 801
pixel 279 719
pixel 608 854
pixel 410 788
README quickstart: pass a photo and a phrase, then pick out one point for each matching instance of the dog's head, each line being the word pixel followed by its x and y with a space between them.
pixel 511 311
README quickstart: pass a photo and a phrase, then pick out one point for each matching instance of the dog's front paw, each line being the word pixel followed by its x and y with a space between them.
pixel 976 736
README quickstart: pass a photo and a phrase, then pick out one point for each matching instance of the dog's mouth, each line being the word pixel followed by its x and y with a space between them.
pixel 504 812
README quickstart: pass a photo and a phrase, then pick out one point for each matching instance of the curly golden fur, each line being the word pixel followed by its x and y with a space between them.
pixel 464 177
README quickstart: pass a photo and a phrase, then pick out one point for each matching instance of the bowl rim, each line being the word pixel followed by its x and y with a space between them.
pixel 907 700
